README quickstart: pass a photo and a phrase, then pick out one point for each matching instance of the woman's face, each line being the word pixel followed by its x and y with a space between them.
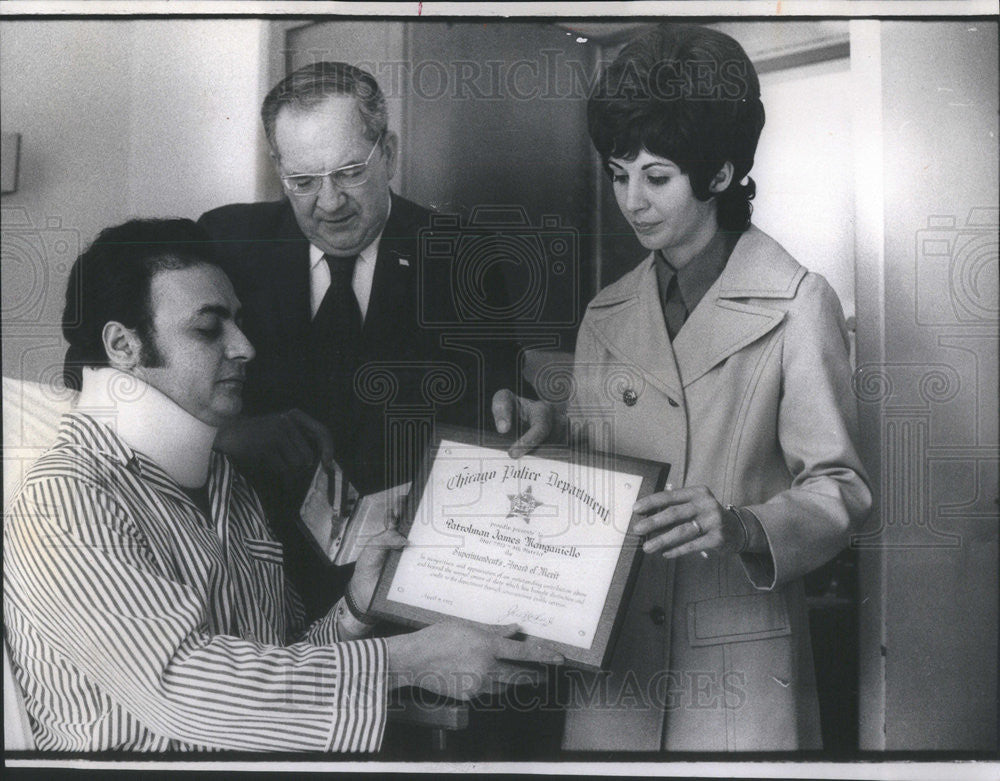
pixel 657 200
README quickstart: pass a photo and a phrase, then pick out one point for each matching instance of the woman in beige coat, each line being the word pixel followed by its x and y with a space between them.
pixel 722 356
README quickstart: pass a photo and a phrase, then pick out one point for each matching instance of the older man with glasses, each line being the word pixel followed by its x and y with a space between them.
pixel 333 292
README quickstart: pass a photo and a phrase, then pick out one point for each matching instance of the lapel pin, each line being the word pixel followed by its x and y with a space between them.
pixel 630 397
pixel 404 261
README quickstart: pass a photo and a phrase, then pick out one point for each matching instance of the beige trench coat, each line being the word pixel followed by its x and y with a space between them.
pixel 753 399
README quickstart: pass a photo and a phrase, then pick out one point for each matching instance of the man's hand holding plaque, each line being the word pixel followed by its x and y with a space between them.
pixel 462 660
pixel 456 659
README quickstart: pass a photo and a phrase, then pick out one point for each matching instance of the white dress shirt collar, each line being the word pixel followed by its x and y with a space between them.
pixel 361 282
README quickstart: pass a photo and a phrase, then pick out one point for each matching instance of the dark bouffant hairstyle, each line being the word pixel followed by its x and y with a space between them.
pixel 689 94
pixel 111 280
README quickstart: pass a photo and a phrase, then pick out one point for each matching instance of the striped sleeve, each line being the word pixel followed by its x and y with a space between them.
pixel 81 575
pixel 335 626
pixel 323 631
pixel 338 624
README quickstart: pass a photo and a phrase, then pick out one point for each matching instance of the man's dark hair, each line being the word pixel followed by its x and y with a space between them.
pixel 689 94
pixel 312 84
pixel 111 281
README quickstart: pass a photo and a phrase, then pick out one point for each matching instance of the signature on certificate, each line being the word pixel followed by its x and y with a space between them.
pixel 516 613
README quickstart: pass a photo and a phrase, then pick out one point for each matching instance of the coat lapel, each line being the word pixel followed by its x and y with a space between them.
pixel 628 321
pixel 725 322
pixel 287 286
pixel 392 284
pixel 717 329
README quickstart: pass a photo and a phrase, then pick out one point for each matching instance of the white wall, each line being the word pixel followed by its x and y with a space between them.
pixel 804 170
pixel 117 119
pixel 195 135
pixel 927 383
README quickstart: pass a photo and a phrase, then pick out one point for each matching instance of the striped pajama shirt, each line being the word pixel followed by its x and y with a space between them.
pixel 136 623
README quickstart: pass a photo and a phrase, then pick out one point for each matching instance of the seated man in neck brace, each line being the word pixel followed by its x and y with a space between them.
pixel 144 599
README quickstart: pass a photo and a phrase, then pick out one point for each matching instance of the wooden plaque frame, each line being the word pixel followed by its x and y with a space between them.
pixel 598 655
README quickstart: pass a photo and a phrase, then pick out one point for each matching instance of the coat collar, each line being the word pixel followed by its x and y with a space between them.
pixel 628 319
pixel 759 267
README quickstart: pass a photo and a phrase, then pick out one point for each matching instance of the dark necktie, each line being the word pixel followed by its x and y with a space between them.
pixel 336 337
pixel 338 312
pixel 674 310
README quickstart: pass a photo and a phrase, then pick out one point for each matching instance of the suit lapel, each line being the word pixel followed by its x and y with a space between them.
pixel 392 284
pixel 716 329
pixel 287 279
pixel 629 323
pixel 725 322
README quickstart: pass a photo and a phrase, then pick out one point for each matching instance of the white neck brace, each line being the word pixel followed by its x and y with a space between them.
pixel 149 422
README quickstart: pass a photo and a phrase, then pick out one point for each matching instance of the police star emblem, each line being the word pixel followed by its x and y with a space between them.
pixel 523 504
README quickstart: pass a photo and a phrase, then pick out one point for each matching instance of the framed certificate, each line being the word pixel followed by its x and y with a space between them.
pixel 543 541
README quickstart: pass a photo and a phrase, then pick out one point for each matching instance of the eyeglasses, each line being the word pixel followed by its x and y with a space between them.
pixel 346 177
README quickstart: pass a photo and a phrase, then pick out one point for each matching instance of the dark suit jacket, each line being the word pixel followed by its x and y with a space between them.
pixel 407 378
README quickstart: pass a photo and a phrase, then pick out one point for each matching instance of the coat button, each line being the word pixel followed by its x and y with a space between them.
pixel 672 402
pixel 630 397
pixel 657 615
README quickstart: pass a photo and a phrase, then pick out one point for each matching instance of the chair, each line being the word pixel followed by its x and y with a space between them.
pixel 16 725
pixel 440 715
pixel 31 413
